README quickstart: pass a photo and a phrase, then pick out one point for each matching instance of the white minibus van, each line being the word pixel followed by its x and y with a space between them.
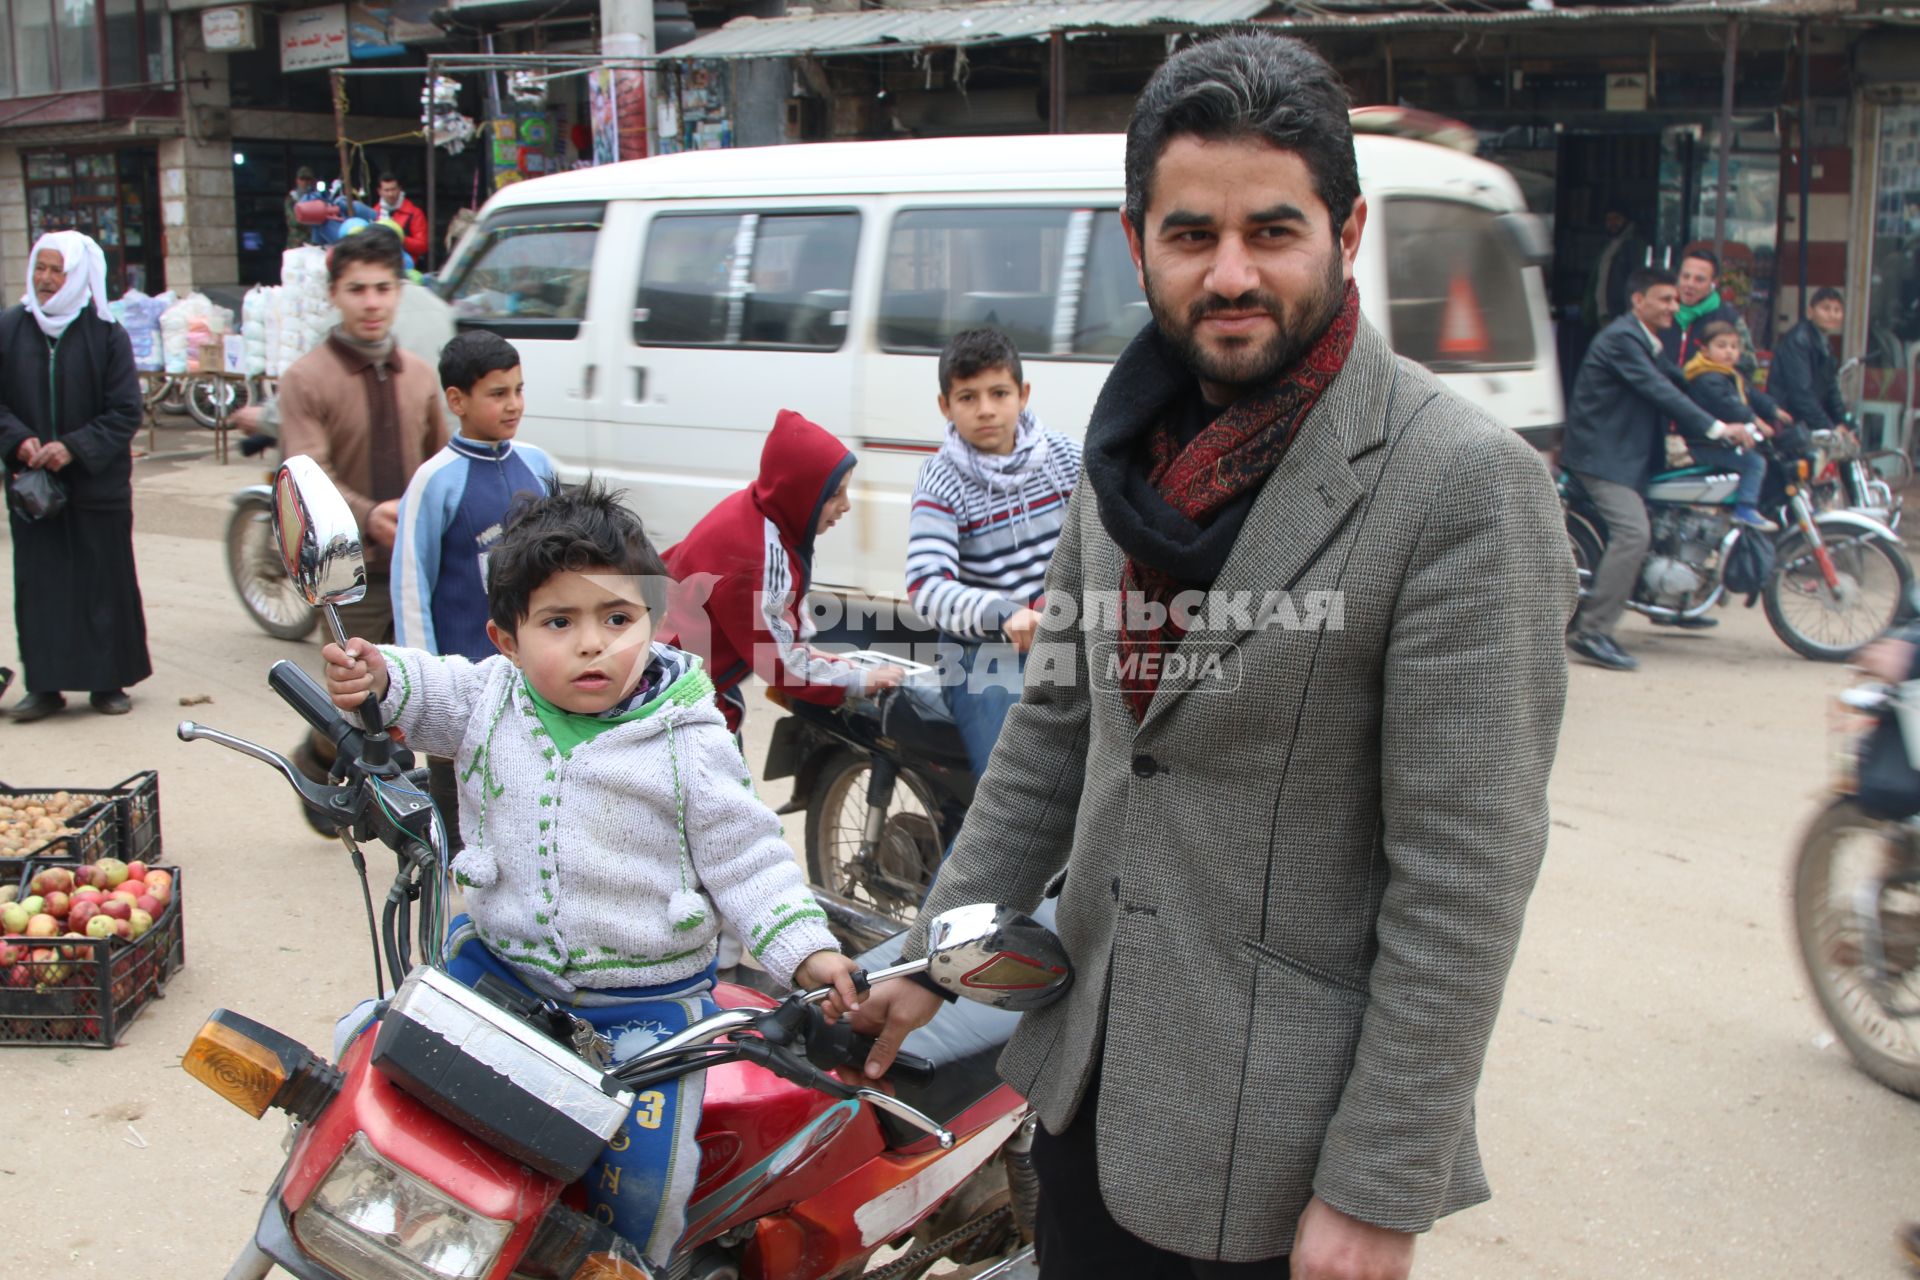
pixel 667 308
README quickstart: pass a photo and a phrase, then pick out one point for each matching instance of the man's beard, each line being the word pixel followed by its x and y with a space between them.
pixel 1247 367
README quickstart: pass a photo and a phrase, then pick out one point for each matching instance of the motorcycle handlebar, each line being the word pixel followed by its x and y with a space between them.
pixel 306 696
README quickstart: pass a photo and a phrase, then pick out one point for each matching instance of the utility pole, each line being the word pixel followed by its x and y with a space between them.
pixel 626 31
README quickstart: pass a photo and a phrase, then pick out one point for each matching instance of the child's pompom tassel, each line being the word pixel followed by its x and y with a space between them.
pixel 688 910
pixel 475 868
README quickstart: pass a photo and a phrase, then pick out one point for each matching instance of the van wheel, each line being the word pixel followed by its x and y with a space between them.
pixel 892 878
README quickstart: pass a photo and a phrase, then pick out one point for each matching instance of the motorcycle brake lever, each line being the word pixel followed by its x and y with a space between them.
pixel 332 804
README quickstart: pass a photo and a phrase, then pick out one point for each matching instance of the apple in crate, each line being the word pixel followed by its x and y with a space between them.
pixel 100 926
pixel 14 917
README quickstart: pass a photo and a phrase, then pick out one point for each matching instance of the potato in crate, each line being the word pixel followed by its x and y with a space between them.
pixel 83 824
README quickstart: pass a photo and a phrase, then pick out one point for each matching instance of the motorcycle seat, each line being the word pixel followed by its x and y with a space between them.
pixel 963 1044
pixel 917 720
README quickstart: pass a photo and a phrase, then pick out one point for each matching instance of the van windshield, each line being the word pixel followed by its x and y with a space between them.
pixel 1456 288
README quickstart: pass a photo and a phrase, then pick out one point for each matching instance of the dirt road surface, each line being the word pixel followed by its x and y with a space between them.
pixel 1661 1099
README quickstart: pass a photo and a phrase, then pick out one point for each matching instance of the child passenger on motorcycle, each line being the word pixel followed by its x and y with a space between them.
pixel 610 822
pixel 986 514
pixel 1716 385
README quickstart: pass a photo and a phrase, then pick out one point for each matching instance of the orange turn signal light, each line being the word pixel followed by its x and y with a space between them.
pixel 255 1067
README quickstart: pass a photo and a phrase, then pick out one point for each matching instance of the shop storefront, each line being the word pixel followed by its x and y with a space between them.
pixel 110 194
pixel 1890 350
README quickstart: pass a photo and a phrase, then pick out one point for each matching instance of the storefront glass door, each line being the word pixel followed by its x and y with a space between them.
pixel 1888 399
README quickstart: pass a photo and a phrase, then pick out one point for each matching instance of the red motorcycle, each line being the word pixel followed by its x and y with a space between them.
pixel 449 1139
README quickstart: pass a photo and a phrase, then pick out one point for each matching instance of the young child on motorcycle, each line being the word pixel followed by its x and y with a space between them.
pixel 1716 385
pixel 610 822
pixel 986 513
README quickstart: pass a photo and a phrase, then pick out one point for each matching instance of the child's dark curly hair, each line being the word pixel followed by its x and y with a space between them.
pixel 582 529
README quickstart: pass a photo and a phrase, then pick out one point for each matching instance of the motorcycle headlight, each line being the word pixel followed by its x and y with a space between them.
pixel 371 1220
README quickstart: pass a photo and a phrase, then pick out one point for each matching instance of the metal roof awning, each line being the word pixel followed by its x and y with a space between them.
pixel 992 22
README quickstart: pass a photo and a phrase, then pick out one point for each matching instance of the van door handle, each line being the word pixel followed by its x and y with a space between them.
pixel 587 380
pixel 639 386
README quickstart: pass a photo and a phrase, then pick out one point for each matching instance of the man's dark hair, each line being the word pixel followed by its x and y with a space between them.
pixel 1827 293
pixel 1707 256
pixel 387 177
pixel 972 352
pixel 1716 329
pixel 1251 85
pixel 583 529
pixel 1644 278
pixel 375 245
pixel 472 356
pixel 303 174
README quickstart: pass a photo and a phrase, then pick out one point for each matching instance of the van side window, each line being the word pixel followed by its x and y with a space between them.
pixel 1112 308
pixel 954 269
pixel 779 280
pixel 1456 286
pixel 526 277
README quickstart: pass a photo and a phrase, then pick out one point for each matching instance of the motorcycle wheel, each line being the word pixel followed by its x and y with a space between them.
pixel 1832 627
pixel 1841 849
pixel 1588 547
pixel 260 579
pixel 894 882
pixel 203 396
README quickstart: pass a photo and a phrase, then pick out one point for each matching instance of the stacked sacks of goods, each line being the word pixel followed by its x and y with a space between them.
pixel 140 316
pixel 186 330
pixel 297 316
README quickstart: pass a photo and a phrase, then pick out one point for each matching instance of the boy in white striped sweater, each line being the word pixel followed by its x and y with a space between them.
pixel 986 514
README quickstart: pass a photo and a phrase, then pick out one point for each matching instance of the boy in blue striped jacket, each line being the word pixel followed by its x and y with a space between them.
pixel 454 511
pixel 986 514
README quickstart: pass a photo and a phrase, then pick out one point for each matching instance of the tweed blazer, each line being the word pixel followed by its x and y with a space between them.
pixel 1292 894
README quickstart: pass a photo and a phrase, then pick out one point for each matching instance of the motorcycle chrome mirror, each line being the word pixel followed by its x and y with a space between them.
pixel 318 537
pixel 997 956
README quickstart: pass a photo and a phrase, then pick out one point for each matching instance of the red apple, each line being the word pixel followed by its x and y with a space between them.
pixel 149 904
pixel 57 904
pixel 158 879
pixel 117 907
pixel 80 913
pixel 53 880
pixel 95 896
pixel 8 954
pixel 94 875
pixel 122 929
pixel 136 871
pixel 42 926
pixel 132 886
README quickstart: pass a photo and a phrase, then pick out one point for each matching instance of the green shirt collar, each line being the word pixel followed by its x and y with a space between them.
pixel 569 729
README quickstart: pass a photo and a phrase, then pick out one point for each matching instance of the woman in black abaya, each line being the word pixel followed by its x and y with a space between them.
pixel 70 404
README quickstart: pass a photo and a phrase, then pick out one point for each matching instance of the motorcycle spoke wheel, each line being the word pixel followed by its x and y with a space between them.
pixel 894 877
pixel 253 564
pixel 1831 622
pixel 1877 1016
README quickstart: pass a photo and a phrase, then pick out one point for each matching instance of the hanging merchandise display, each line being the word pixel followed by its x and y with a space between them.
pixel 527 88
pixel 440 114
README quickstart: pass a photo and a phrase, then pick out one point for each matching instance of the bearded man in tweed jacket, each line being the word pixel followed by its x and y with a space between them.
pixel 1291 792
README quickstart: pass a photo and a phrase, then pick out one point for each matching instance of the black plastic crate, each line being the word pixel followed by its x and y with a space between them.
pixel 123 822
pixel 88 991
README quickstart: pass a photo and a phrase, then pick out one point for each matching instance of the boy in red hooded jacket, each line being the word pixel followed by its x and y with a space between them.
pixel 752 556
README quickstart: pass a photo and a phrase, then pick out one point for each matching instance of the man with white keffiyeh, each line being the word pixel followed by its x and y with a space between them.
pixel 70 405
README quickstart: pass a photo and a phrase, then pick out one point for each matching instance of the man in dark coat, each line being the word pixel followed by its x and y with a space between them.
pixel 1626 393
pixel 70 403
pixel 1805 378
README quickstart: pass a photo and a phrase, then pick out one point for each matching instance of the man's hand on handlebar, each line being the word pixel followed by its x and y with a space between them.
pixel 1021 629
pixel 882 678
pixel 351 679
pixel 889 1014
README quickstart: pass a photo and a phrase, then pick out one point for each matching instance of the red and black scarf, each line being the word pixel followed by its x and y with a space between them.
pixel 1230 459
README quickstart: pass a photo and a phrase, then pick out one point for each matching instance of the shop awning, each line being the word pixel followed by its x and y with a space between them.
pixel 992 22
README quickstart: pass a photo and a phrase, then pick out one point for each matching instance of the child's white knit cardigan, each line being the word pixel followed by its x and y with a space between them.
pixel 601 868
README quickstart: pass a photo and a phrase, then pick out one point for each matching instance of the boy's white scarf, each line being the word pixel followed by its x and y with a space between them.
pixel 86 268
pixel 1000 473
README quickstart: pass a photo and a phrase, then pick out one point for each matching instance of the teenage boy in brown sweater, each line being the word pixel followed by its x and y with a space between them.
pixel 369 413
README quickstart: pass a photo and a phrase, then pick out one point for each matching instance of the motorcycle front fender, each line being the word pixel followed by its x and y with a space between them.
pixel 253 495
pixel 274 1238
pixel 1860 523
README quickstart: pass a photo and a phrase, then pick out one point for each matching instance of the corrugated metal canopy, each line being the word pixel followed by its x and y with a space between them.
pixel 883 30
